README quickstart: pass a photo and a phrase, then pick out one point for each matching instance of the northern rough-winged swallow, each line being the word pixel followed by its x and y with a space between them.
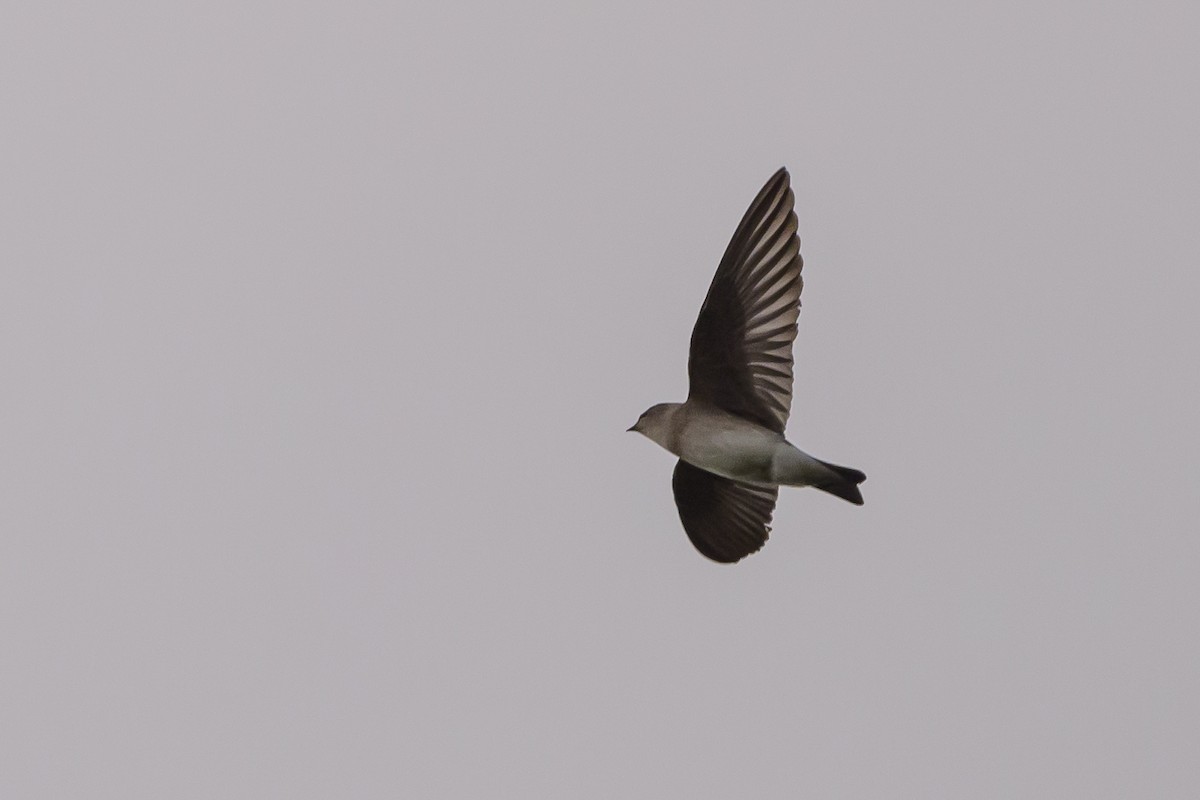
pixel 729 434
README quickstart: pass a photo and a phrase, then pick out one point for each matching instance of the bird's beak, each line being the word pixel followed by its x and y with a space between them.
pixel 631 429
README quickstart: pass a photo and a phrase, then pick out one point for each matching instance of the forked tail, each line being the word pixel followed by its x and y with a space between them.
pixel 843 483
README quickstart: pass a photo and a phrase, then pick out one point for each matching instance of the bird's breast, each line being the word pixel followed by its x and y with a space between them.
pixel 728 446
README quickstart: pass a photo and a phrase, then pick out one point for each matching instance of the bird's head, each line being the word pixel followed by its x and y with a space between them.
pixel 655 422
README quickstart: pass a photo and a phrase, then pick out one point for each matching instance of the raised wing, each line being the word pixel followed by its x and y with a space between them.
pixel 725 520
pixel 741 353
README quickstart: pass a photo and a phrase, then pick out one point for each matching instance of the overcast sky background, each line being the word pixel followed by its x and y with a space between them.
pixel 321 326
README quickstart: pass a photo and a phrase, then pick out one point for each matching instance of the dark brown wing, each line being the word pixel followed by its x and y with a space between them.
pixel 725 520
pixel 741 354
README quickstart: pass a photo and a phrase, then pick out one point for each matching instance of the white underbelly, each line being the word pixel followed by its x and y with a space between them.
pixel 740 455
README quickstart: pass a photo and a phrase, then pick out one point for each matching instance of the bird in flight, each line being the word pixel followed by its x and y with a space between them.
pixel 733 456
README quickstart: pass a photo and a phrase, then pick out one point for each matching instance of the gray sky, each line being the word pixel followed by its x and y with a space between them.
pixel 321 327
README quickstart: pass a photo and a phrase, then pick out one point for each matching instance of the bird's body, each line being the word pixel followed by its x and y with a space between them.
pixel 730 446
pixel 741 450
pixel 728 435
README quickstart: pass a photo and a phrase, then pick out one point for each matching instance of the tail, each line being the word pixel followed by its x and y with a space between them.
pixel 843 483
